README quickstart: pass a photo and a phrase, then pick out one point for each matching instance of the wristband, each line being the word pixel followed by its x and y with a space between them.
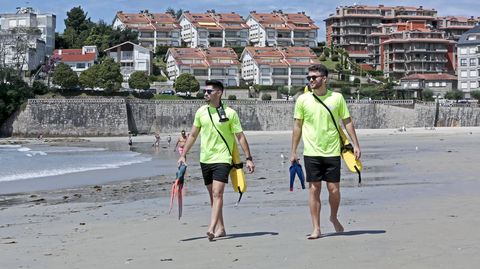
pixel 249 158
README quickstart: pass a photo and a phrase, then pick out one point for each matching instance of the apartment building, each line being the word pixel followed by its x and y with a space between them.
pixel 401 49
pixel 282 29
pixel 213 29
pixel 285 66
pixel 154 29
pixel 21 50
pixel 131 57
pixel 205 63
pixel 468 51
pixel 412 86
pixel 27 17
pixel 350 26
pixel 78 59
pixel 454 26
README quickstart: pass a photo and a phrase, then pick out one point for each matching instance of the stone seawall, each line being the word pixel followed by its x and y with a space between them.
pixel 70 117
pixel 111 117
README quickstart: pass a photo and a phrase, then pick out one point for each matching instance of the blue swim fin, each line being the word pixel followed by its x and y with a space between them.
pixel 299 172
pixel 292 175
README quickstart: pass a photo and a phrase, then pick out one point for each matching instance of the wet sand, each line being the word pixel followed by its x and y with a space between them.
pixel 417 208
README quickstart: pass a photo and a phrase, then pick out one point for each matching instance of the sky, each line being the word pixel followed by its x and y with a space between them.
pixel 318 10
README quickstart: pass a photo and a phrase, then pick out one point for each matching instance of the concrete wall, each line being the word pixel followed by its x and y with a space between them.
pixel 104 117
pixel 69 117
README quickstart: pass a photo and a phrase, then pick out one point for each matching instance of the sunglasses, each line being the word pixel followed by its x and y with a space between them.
pixel 313 77
pixel 208 91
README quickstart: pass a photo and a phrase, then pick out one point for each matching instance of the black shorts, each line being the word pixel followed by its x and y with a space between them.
pixel 322 168
pixel 215 171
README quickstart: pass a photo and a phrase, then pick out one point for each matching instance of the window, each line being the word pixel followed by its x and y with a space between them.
pixel 473 85
pixel 463 62
pixel 473 50
pixel 232 82
pixel 265 71
pixel 12 23
pixel 473 62
pixel 80 65
pixel 437 84
pixel 430 84
pixel 463 51
pixel 464 74
pixel 444 84
pixel 473 73
pixel 464 85
pixel 265 82
pixel 22 23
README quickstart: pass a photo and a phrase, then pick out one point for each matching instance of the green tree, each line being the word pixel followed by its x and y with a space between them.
pixel 138 80
pixel 13 92
pixel 475 95
pixel 454 95
pixel 77 27
pixel 175 13
pixel 109 76
pixel 427 95
pixel 186 83
pixel 64 76
pixel 89 78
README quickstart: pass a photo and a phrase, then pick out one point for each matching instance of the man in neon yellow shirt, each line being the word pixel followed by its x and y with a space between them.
pixel 321 143
pixel 215 155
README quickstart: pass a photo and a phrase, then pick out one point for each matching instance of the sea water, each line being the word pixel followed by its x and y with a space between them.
pixel 39 166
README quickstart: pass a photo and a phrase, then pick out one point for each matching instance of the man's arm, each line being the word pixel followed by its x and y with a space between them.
pixel 296 135
pixel 242 140
pixel 348 123
pixel 189 143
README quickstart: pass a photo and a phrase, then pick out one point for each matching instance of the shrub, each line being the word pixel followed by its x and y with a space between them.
pixel 334 57
pixel 356 81
pixel 427 95
pixel 200 95
pixel 266 97
pixel 322 58
pixel 232 97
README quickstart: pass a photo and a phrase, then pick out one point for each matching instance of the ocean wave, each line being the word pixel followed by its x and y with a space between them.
pixel 71 149
pixel 57 172
pixel 23 149
pixel 9 146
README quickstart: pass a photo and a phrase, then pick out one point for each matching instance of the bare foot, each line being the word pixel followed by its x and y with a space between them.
pixel 220 234
pixel 314 235
pixel 337 225
pixel 210 236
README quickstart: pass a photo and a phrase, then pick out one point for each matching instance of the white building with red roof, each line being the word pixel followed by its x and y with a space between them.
pixel 213 29
pixel 154 29
pixel 283 66
pixel 78 59
pixel 282 29
pixel 205 63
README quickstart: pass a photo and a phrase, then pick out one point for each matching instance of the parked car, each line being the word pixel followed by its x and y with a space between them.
pixel 168 92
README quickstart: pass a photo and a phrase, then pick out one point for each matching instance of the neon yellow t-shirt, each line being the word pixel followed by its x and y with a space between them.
pixel 212 147
pixel 320 138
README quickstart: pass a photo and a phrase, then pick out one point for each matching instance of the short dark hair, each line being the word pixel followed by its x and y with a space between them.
pixel 318 68
pixel 217 84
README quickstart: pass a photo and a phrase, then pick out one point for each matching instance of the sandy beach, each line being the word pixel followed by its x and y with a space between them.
pixel 417 208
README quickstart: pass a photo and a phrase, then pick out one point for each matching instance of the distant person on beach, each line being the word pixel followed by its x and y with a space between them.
pixel 169 140
pixel 218 126
pixel 130 141
pixel 181 142
pixel 321 143
pixel 157 140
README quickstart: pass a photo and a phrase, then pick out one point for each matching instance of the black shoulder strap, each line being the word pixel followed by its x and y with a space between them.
pixel 331 115
pixel 223 138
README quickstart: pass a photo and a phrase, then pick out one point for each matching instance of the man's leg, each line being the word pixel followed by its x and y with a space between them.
pixel 216 219
pixel 314 204
pixel 334 200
